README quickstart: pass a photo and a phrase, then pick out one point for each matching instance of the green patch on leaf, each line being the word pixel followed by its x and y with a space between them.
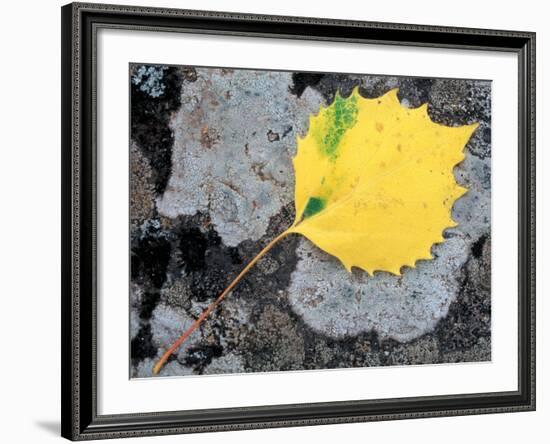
pixel 339 117
pixel 314 206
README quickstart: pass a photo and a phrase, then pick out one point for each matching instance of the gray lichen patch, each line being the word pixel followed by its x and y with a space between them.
pixel 229 363
pixel 167 326
pixel 150 79
pixel 226 159
pixel 338 303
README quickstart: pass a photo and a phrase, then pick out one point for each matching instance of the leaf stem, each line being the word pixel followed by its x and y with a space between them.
pixel 214 304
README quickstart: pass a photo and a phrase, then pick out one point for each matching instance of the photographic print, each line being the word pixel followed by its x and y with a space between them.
pixel 306 220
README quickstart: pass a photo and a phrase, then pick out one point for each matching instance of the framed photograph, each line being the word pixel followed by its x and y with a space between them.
pixel 276 221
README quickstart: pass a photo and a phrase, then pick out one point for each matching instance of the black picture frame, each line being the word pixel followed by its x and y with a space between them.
pixel 80 22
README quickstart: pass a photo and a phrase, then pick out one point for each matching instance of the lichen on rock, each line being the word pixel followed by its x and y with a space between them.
pixel 212 181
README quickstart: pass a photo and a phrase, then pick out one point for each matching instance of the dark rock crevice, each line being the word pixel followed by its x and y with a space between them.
pixel 151 111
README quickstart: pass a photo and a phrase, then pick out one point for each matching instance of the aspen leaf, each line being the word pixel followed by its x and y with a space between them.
pixel 374 181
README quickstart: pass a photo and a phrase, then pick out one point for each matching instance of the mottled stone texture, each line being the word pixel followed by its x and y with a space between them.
pixel 212 182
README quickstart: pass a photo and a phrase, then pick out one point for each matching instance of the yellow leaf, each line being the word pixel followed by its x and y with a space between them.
pixel 374 181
